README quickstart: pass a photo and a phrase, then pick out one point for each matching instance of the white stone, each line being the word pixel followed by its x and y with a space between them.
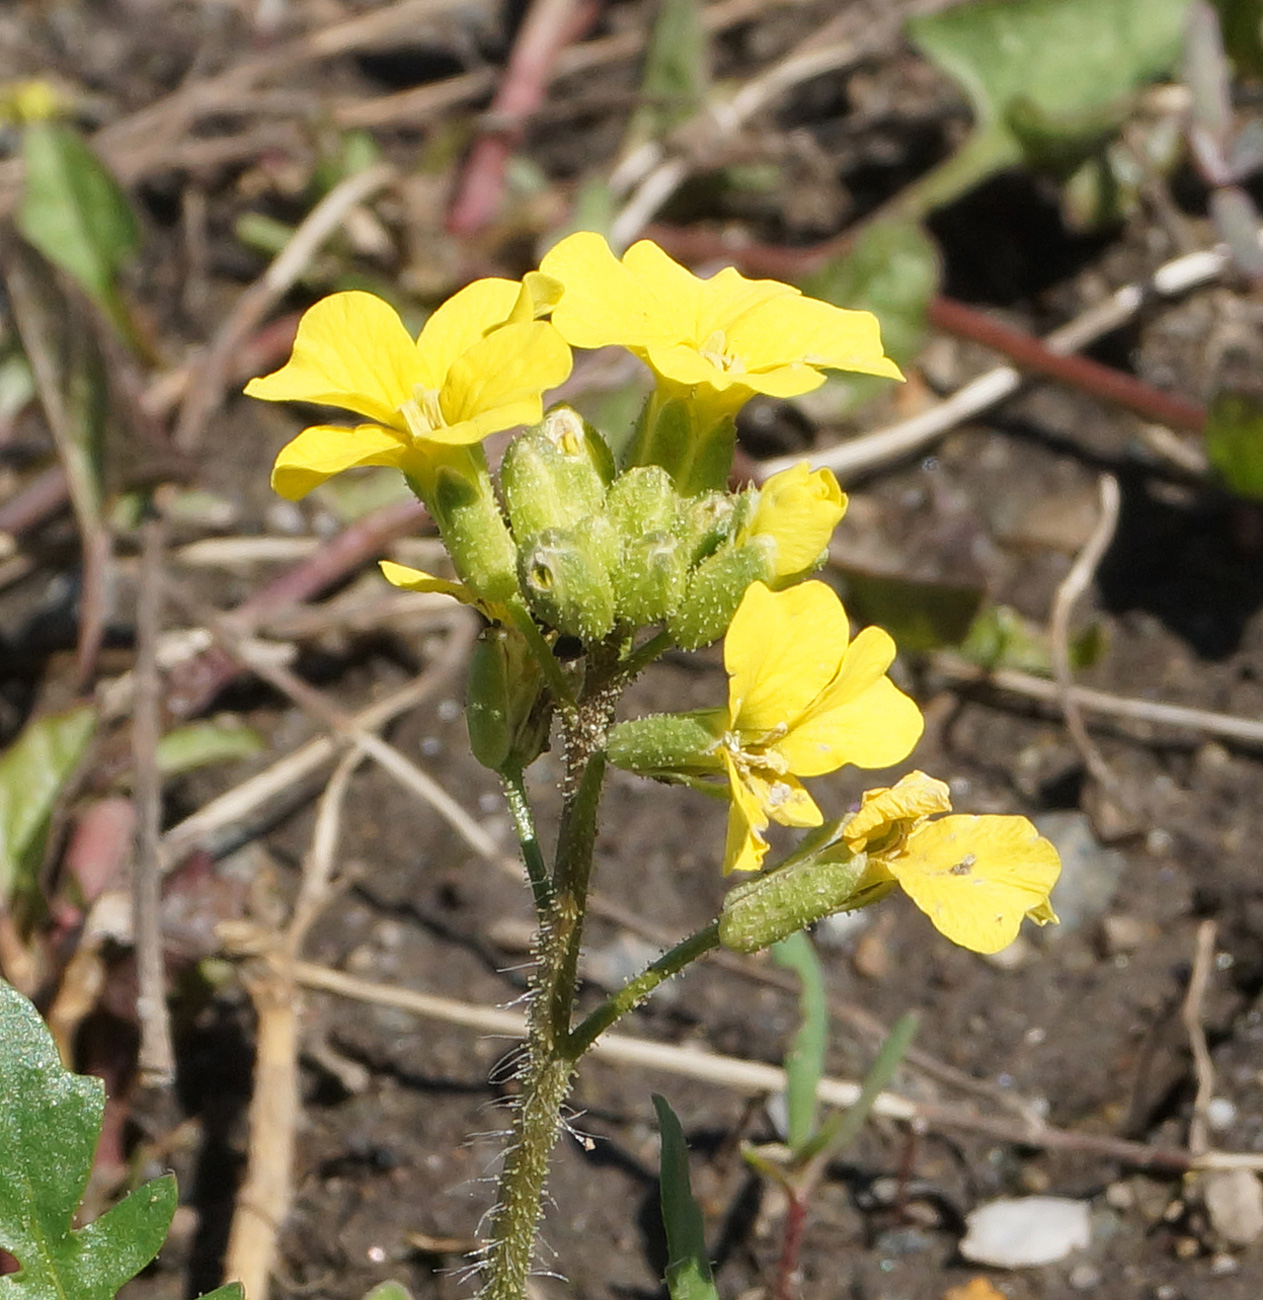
pixel 1024 1232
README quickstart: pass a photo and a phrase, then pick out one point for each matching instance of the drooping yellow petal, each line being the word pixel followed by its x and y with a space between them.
pixel 324 450
pixel 499 373
pixel 745 845
pixel 977 877
pixel 459 323
pixel 816 333
pixel 782 649
pixel 400 575
pixel 798 509
pixel 351 351
pixel 860 717
pixel 911 797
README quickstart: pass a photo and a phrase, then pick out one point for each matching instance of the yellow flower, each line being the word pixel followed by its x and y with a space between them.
pixel 976 878
pixel 727 332
pixel 480 366
pixel 802 702
pixel 797 512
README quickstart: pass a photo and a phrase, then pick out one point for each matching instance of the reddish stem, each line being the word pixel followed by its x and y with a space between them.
pixel 547 29
pixel 791 1244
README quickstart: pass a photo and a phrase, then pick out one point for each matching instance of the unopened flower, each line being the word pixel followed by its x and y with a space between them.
pixel 797 511
pixel 480 366
pixel 803 699
pixel 976 878
pixel 725 332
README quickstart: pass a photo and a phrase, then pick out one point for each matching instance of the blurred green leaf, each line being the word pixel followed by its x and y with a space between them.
pixel 32 771
pixel 229 1291
pixel 1234 443
pixel 388 1291
pixel 804 1062
pixel 202 743
pixel 688 1267
pixel 351 496
pixel 17 385
pixel 1242 24
pixel 920 615
pixel 50 1121
pixel 74 212
pixel 676 77
pixel 892 270
pixel 1000 637
pixel 1048 80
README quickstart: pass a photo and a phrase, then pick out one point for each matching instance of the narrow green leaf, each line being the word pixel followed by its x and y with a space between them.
pixel 1242 22
pixel 840 1130
pixel 202 743
pixel 32 771
pixel 677 70
pixel 74 212
pixel 229 1291
pixel 50 1121
pixel 1234 443
pixel 804 1063
pixel 688 1267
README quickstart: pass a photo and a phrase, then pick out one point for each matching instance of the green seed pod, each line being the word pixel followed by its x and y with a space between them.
pixel 555 474
pixel 649 583
pixel 807 888
pixel 565 574
pixel 667 744
pixel 714 592
pixel 507 710
pixel 642 500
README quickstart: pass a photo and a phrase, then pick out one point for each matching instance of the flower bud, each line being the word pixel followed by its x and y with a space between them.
pixel 706 522
pixel 795 513
pixel 714 592
pixel 821 878
pixel 642 500
pixel 649 582
pixel 507 712
pixel 666 744
pixel 565 574
pixel 555 474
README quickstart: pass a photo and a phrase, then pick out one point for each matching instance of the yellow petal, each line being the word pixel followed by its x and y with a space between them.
pixel 464 319
pixel 911 797
pixel 352 351
pixel 727 298
pixel 745 845
pixel 683 364
pixel 782 649
pixel 799 329
pixel 799 510
pixel 977 877
pixel 324 450
pixel 400 575
pixel 510 366
pixel 879 727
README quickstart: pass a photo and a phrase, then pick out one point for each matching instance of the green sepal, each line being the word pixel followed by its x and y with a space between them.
pixel 642 500
pixel 706 522
pixel 667 744
pixel 555 474
pixel 650 582
pixel 507 710
pixel 565 574
pixel 715 591
pixel 821 878
pixel 699 459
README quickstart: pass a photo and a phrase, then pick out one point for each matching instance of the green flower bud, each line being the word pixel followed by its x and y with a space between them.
pixel 667 744
pixel 823 877
pixel 714 592
pixel 565 574
pixel 706 522
pixel 555 474
pixel 650 581
pixel 642 500
pixel 507 710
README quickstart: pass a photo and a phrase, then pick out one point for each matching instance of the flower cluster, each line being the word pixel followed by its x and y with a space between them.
pixel 565 546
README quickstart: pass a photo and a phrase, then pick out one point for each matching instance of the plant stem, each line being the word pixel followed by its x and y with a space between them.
pixel 514 784
pixel 644 654
pixel 636 990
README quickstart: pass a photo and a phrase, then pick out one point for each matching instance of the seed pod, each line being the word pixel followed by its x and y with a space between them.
pixel 666 744
pixel 507 711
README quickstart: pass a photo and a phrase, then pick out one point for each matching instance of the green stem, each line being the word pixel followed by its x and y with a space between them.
pixel 643 655
pixel 514 783
pixel 543 652
pixel 636 990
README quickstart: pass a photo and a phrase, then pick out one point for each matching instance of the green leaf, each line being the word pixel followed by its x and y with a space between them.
pixel 1048 80
pixel 202 743
pixel 229 1291
pixel 75 214
pixel 1242 23
pixel 840 1130
pixel 677 70
pixel 50 1120
pixel 389 1291
pixel 804 1063
pixel 688 1267
pixel 32 772
pixel 920 615
pixel 1234 443
pixel 892 270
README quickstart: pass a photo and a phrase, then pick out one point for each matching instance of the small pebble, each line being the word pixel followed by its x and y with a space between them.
pixel 1024 1232
pixel 1084 1277
pixel 1234 1202
pixel 1221 1114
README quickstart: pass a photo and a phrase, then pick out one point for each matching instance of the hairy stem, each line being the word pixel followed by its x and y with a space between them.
pixel 528 842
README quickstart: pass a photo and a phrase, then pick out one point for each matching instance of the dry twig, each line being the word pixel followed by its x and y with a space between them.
pixel 1191 1015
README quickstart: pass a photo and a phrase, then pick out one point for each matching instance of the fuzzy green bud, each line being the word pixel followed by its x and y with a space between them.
pixel 706 522
pixel 667 744
pixel 555 474
pixel 507 710
pixel 565 574
pixel 823 877
pixel 642 500
pixel 650 581
pixel 714 592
